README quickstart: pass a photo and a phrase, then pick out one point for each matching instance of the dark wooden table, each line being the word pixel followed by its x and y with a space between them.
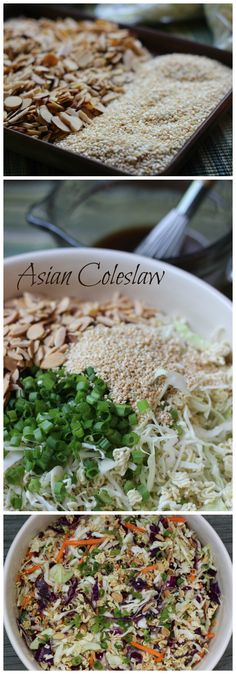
pixel 12 523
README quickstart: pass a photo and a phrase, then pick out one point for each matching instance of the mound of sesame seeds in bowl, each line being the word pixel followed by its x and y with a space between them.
pixel 117 593
pixel 114 405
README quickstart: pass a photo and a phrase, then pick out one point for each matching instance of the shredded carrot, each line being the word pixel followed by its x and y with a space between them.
pixel 176 518
pixel 29 554
pixel 157 654
pixel 201 655
pixel 148 568
pixel 133 527
pixel 31 569
pixel 74 543
pixel 91 660
pixel 60 553
pixel 210 635
pixel 18 577
pixel 26 600
pixel 192 576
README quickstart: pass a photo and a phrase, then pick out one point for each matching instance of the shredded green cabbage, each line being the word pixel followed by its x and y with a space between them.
pixel 182 460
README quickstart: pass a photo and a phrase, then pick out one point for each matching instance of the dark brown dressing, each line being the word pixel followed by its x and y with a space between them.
pixel 125 239
pixel 128 239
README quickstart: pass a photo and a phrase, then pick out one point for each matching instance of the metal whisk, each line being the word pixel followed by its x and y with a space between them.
pixel 166 239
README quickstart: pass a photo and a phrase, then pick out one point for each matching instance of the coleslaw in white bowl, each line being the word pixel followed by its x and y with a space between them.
pixel 210 544
pixel 182 454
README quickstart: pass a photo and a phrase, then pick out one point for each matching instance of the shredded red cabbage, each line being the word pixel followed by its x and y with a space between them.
pixel 72 590
pixel 44 654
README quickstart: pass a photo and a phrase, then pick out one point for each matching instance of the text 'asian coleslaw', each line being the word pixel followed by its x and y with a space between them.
pixel 117 593
pixel 139 417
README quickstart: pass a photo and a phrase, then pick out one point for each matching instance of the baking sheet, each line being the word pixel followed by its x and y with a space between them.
pixel 157 43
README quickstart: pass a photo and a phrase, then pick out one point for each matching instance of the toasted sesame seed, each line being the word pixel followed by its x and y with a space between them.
pixel 143 130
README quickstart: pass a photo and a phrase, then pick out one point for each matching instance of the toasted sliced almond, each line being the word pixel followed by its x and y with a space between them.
pixel 165 632
pixel 72 121
pixel 68 69
pixel 70 66
pixel 117 596
pixel 14 355
pixel 84 117
pixel 26 103
pixel 86 322
pixel 39 355
pixel 109 97
pixel 60 336
pixel 63 305
pixel 18 329
pixel 12 102
pixel 104 320
pixel 10 318
pixel 52 360
pixel 85 59
pixel 37 79
pixel 35 331
pixel 10 363
pixel 15 376
pixel 45 114
pixel 36 345
pixel 58 122
pixel 19 115
pixel 75 325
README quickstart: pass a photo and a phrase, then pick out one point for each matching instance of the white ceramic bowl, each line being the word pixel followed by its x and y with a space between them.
pixel 206 534
pixel 179 292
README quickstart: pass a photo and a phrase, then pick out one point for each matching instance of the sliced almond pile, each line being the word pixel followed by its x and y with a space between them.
pixel 60 74
pixel 38 331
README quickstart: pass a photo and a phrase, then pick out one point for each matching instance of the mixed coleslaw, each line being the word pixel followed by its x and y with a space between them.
pixel 117 593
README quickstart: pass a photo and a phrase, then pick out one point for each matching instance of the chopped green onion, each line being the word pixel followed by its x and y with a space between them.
pixel 130 439
pixel 16 502
pixel 174 414
pixel 34 485
pixel 52 416
pixel 15 474
pixel 144 492
pixel 59 491
pixel 138 456
pixel 128 486
pixel 123 410
pixel 143 405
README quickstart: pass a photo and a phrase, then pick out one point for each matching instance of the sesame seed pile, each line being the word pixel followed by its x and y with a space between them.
pixel 126 356
pixel 169 99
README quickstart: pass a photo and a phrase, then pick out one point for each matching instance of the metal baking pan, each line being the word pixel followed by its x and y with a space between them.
pixel 158 43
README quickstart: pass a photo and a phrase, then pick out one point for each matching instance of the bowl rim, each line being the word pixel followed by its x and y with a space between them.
pixel 113 254
pixel 217 542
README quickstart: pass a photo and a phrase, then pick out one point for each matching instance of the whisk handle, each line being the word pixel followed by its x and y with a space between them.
pixel 193 196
